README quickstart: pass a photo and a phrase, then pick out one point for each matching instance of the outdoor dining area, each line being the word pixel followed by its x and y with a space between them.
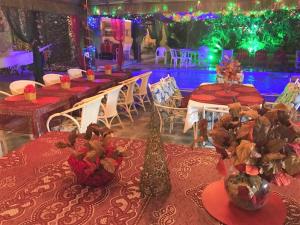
pixel 147 113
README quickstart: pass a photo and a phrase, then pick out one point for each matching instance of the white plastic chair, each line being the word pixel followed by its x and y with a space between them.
pixel 4 93
pixel 227 54
pixel 141 93
pixel 185 58
pixel 75 73
pixel 161 53
pixel 17 87
pixel 108 110
pixel 174 57
pixel 126 100
pixel 212 113
pixel 50 79
pixel 89 113
pixel 297 60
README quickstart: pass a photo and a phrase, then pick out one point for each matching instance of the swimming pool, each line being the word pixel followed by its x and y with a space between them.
pixel 265 82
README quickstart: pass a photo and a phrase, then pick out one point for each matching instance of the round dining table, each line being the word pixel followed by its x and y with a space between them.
pixel 221 95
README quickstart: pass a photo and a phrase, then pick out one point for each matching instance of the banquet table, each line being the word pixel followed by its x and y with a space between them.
pixel 116 76
pixel 38 187
pixel 22 116
pixel 215 94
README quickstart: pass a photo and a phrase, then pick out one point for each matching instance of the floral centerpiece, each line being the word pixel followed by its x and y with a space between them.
pixel 107 69
pixel 30 92
pixel 65 82
pixel 229 71
pixel 94 157
pixel 90 75
pixel 261 145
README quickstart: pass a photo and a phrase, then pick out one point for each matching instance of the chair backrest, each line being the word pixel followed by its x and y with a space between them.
pixel 52 78
pixel 173 53
pixel 144 83
pixel 75 73
pixel 158 93
pixel 161 52
pixel 90 111
pixel 4 93
pixel 112 96
pixel 289 94
pixel 17 87
pixel 169 85
pixel 129 90
pixel 212 113
pixel 227 54
pixel 184 53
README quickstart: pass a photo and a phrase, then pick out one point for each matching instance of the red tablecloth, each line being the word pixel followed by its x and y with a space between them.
pixel 30 117
pixel 216 94
pixel 38 187
pixel 116 76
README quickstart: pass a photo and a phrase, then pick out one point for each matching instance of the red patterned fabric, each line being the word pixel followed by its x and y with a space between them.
pixel 38 187
pixel 244 94
pixel 30 117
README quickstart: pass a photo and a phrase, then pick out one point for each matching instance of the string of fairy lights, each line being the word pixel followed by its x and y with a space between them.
pixel 194 13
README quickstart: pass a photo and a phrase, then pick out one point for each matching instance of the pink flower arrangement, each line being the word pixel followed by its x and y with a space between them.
pixel 65 79
pixel 30 88
pixel 90 72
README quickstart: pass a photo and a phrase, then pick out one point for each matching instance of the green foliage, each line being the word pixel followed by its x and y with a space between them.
pixel 268 30
pixel 257 30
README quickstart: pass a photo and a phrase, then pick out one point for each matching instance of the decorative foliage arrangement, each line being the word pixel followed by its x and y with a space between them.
pixel 94 157
pixel 229 69
pixel 259 142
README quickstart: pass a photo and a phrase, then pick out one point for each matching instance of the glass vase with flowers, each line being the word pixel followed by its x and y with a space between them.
pixel 260 145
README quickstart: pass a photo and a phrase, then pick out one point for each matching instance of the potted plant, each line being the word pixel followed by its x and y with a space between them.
pixel 229 72
pixel 65 82
pixel 261 145
pixel 30 92
pixel 90 75
pixel 94 157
